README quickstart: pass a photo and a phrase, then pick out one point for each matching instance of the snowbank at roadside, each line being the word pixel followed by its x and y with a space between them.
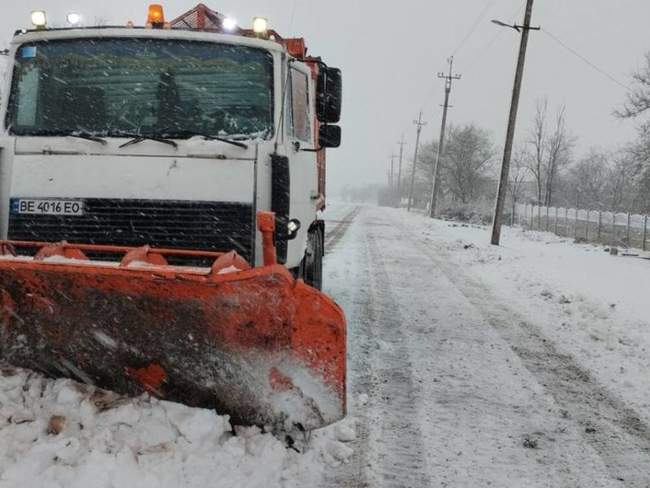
pixel 592 305
pixel 59 433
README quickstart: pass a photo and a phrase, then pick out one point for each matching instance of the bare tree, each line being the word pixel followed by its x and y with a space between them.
pixel 638 98
pixel 608 180
pixel 538 142
pixel 424 172
pixel 589 181
pixel 625 181
pixel 519 173
pixel 635 166
pixel 551 150
pixel 468 155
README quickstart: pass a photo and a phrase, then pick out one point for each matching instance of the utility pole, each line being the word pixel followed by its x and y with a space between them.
pixel 401 144
pixel 419 123
pixel 512 121
pixel 392 171
pixel 449 79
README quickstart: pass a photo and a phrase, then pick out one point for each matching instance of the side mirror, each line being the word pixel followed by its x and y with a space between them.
pixel 329 136
pixel 329 95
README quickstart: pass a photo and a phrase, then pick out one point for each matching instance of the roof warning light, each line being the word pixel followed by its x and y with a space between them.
pixel 73 18
pixel 39 19
pixel 155 16
pixel 260 25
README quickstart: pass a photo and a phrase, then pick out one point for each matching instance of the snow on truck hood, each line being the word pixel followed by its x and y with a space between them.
pixel 74 175
pixel 193 147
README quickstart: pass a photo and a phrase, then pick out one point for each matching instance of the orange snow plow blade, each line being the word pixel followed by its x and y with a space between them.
pixel 253 343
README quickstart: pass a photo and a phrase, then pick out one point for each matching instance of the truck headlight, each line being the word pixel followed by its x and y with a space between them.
pixel 293 227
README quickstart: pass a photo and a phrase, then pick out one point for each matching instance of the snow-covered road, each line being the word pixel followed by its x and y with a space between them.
pixel 474 366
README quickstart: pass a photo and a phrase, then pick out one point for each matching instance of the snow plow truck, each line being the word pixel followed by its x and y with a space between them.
pixel 160 188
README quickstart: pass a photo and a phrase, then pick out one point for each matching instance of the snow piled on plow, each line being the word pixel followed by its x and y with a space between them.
pixel 64 434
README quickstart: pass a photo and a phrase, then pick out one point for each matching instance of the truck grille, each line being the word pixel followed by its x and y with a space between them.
pixel 212 226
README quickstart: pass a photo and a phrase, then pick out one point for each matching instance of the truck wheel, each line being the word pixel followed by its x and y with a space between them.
pixel 311 268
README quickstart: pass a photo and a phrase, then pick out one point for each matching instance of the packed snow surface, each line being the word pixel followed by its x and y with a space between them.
pixel 470 365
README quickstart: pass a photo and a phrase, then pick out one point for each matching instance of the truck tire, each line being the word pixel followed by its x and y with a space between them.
pixel 311 268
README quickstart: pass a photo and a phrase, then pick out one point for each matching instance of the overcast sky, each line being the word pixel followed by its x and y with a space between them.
pixel 390 53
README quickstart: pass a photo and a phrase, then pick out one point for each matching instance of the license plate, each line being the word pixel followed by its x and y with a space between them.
pixel 43 206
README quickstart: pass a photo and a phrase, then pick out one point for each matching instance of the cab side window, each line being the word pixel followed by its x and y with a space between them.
pixel 299 108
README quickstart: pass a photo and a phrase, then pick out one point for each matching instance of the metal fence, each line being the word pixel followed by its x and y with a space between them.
pixel 609 228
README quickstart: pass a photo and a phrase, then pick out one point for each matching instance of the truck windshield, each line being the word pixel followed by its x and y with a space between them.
pixel 109 87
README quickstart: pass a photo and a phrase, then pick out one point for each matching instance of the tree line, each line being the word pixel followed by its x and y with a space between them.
pixel 546 168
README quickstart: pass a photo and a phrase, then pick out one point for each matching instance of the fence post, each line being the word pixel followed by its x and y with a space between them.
pixel 532 220
pixel 613 229
pixel 555 229
pixel 566 221
pixel 539 217
pixel 532 216
pixel 575 225
pixel 645 231
pixel 547 217
pixel 600 223
pixel 587 230
pixel 627 231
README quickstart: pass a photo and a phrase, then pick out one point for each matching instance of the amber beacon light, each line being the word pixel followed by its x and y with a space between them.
pixel 155 16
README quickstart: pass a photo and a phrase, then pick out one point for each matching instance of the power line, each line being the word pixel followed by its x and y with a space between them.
pixel 585 60
pixel 293 16
pixel 475 25
pixel 480 56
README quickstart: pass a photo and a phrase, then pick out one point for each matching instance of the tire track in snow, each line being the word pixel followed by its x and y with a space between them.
pixel 389 451
pixel 401 448
pixel 359 377
pixel 614 430
pixel 336 234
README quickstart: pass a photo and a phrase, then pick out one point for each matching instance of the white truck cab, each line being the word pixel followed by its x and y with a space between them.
pixel 171 138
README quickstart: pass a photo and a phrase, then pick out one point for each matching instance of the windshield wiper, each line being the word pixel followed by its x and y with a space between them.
pixel 137 138
pixel 87 136
pixel 208 137
pixel 224 139
pixel 65 133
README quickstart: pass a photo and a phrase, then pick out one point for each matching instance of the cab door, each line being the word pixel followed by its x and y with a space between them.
pixel 303 168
